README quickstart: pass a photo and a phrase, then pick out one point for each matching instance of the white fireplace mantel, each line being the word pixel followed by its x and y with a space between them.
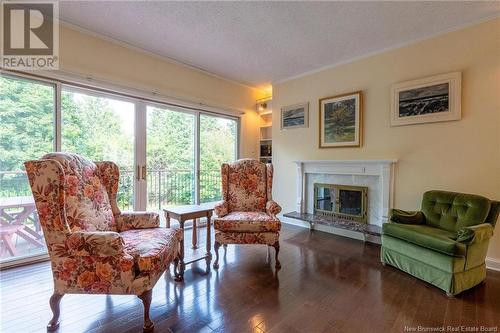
pixel 382 169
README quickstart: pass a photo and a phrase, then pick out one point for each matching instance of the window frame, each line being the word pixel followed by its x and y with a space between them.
pixel 141 102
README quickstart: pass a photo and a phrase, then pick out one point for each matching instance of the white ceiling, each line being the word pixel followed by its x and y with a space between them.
pixel 257 43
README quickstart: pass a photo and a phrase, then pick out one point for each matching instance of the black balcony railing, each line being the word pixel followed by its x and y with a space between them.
pixel 14 184
pixel 165 187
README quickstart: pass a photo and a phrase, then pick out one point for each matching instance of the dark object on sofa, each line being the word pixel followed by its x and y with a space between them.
pixel 445 243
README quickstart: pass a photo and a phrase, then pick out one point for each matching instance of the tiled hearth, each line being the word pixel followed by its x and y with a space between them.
pixel 312 219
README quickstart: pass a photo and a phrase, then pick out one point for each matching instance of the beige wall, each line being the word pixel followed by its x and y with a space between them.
pixel 459 156
pixel 102 59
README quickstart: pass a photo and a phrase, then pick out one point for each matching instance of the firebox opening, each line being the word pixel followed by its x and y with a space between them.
pixel 342 201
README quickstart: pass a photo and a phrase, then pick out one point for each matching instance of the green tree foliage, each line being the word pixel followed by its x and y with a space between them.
pixel 26 122
pixel 218 142
pixel 92 128
pixel 170 140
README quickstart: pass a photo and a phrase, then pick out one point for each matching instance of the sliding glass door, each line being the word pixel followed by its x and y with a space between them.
pixel 218 144
pixel 27 117
pixel 170 157
pixel 101 128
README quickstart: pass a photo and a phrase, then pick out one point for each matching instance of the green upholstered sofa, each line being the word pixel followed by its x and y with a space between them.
pixel 445 243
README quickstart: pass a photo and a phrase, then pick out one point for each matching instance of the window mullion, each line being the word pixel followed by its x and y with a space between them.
pixel 57 117
pixel 197 160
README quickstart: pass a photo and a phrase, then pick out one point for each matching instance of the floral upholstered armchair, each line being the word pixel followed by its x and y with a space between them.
pixel 247 214
pixel 94 248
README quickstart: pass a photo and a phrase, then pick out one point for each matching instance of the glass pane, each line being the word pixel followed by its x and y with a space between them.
pixel 170 158
pixel 26 132
pixel 218 144
pixel 101 129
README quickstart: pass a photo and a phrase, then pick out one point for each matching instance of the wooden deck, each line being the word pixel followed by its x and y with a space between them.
pixel 327 284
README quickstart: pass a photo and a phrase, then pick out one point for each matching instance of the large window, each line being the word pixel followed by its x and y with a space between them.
pixel 170 157
pixel 102 129
pixel 167 155
pixel 27 113
pixel 218 144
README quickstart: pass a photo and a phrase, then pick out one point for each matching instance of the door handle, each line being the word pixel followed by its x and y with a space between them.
pixel 141 172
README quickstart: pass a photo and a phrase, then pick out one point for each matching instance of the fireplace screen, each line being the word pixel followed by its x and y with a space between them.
pixel 348 202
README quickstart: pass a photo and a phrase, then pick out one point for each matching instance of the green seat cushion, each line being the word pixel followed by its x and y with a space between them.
pixel 428 237
pixel 411 254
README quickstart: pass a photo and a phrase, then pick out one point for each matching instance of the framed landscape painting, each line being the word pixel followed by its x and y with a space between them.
pixel 340 120
pixel 431 99
pixel 295 116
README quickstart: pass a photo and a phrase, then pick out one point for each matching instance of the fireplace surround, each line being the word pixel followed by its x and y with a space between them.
pixel 377 176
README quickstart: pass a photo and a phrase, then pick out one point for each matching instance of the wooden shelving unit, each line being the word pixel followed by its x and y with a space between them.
pixel 266 133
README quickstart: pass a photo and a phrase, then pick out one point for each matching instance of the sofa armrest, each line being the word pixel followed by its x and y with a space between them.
pixel 137 220
pixel 221 209
pixel 95 243
pixel 475 234
pixel 406 217
pixel 272 208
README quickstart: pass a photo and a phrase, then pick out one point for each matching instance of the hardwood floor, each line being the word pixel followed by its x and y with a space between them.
pixel 327 284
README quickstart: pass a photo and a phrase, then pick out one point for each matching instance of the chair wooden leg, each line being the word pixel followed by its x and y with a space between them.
pixel 146 301
pixel 55 301
pixel 216 248
pixel 277 248
pixel 179 269
pixel 177 276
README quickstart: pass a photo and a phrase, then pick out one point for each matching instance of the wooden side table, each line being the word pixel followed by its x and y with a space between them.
pixel 186 213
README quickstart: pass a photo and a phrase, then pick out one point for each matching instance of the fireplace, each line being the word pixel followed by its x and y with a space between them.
pixel 339 210
pixel 342 201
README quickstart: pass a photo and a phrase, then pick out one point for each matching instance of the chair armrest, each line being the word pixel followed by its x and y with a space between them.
pixel 475 234
pixel 272 208
pixel 95 243
pixel 137 220
pixel 406 217
pixel 221 209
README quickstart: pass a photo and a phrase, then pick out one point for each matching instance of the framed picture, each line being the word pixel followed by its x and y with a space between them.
pixel 431 99
pixel 340 120
pixel 295 116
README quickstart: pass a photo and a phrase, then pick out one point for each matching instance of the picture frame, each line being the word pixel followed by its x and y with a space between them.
pixel 340 120
pixel 427 100
pixel 295 116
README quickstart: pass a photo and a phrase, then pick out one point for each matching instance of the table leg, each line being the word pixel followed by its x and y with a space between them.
pixel 195 236
pixel 36 220
pixel 167 219
pixel 32 232
pixel 23 234
pixel 182 266
pixel 7 241
pixel 209 241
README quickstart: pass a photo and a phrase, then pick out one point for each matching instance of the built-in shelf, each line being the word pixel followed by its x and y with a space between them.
pixel 266 131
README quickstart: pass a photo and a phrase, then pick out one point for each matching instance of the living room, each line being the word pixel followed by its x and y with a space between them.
pixel 250 166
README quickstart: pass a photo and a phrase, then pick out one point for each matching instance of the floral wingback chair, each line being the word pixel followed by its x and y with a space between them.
pixel 247 214
pixel 94 248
